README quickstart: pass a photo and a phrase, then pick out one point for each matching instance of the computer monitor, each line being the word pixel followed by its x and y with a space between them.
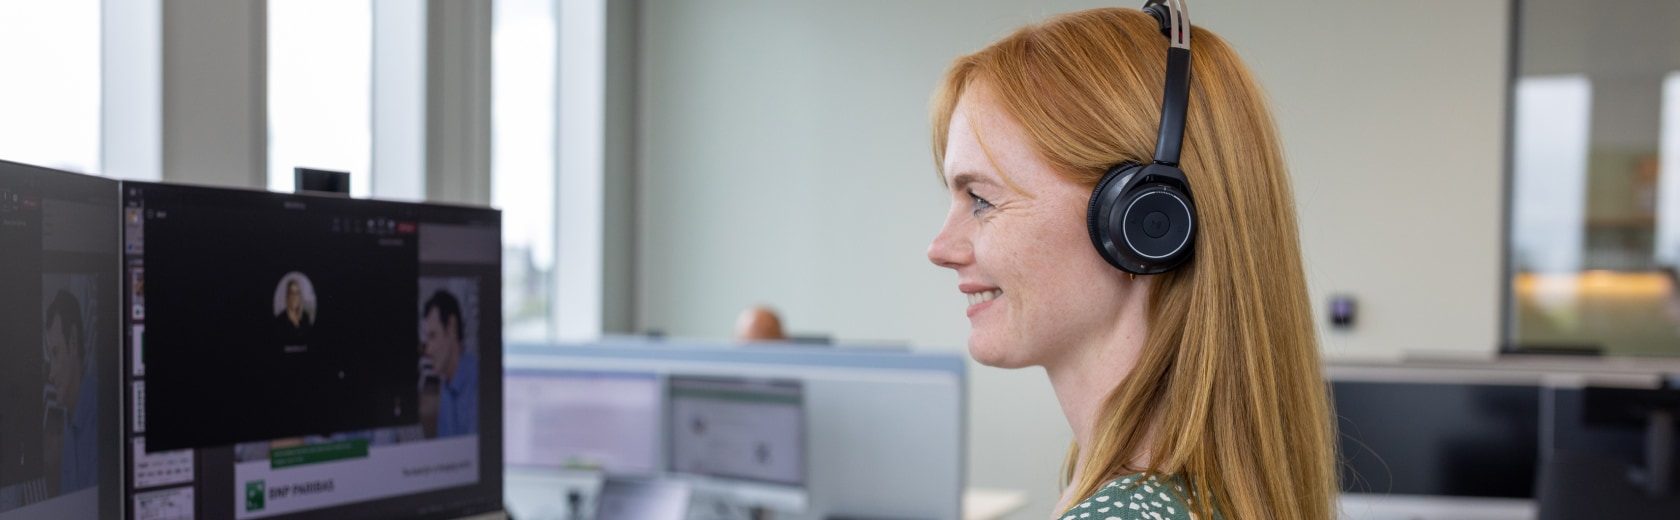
pixel 1610 452
pixel 742 440
pixel 1459 439
pixel 586 420
pixel 59 350
pixel 295 356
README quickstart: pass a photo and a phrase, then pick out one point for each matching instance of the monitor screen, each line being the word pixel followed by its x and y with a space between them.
pixel 58 345
pixel 738 428
pixel 310 357
pixel 1455 439
pixel 606 421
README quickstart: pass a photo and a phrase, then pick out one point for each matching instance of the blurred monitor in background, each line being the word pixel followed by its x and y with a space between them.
pixel 1458 439
pixel 740 441
pixel 584 420
pixel 1611 453
pixel 59 334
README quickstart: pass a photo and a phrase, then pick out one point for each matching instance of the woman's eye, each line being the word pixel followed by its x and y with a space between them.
pixel 980 204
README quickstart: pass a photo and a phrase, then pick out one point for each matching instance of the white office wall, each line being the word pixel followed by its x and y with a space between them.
pixel 784 159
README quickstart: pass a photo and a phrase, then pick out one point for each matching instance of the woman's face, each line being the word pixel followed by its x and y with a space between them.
pixel 1035 287
pixel 294 298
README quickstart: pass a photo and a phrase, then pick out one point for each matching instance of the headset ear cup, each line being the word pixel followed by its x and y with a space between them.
pixel 1141 218
pixel 1102 202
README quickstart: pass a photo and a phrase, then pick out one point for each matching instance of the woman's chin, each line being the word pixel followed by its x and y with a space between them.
pixel 994 354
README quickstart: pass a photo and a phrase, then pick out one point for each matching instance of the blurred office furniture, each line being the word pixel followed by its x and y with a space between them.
pixel 992 504
pixel 886 433
pixel 812 340
pixel 1470 439
pixel 1418 443
pixel 1613 455
pixel 642 499
pixel 551 494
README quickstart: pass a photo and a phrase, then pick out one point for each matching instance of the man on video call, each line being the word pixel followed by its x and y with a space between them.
pixel 72 456
pixel 457 370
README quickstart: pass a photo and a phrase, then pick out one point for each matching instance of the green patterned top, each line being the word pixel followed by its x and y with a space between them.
pixel 1134 497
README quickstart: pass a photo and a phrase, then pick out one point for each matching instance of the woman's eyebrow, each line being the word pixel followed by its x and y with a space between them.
pixel 962 180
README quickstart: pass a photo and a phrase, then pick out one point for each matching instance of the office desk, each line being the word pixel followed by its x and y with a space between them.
pixel 991 504
pixel 1362 506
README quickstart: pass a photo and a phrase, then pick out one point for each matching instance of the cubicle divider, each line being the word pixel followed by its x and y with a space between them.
pixel 885 429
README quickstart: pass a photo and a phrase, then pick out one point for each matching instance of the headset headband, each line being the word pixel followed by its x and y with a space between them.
pixel 1175 100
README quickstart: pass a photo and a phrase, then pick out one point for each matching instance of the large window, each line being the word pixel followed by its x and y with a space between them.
pixel 319 73
pixel 346 90
pixel 1595 178
pixel 523 144
pixel 49 100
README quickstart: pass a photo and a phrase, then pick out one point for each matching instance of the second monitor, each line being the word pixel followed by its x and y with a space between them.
pixel 310 357
pixel 584 420
pixel 743 438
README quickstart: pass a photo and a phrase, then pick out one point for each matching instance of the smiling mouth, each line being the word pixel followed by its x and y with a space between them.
pixel 983 296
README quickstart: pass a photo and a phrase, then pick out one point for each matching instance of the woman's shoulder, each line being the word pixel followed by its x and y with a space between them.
pixel 1134 497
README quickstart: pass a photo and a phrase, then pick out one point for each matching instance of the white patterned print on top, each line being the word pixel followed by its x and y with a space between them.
pixel 1133 497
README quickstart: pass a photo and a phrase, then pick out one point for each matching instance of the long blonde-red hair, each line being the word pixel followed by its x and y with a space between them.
pixel 1227 392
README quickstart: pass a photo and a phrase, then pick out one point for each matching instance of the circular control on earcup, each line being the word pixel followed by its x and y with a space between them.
pixel 1155 224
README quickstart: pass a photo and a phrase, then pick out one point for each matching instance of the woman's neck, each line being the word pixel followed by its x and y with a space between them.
pixel 1083 384
pixel 1084 377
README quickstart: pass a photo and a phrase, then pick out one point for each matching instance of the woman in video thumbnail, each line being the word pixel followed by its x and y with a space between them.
pixel 295 318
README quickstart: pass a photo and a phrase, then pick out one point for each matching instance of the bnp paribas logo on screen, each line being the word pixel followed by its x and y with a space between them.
pixel 255 494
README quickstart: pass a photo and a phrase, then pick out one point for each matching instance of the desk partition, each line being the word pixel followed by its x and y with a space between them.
pixel 885 429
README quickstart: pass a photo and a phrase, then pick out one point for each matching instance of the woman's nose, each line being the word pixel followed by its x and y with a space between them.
pixel 950 249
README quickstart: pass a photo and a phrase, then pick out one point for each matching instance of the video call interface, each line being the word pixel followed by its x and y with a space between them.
pixel 58 314
pixel 309 357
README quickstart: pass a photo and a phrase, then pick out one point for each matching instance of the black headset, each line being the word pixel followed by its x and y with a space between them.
pixel 1142 219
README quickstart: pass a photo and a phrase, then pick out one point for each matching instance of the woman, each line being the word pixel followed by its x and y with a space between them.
pixel 1193 393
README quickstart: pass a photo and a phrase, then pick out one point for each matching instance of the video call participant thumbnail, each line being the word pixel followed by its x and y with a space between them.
pixel 72 399
pixel 454 368
pixel 296 316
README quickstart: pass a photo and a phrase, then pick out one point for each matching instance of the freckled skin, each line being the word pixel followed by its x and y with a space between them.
pixel 1058 293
